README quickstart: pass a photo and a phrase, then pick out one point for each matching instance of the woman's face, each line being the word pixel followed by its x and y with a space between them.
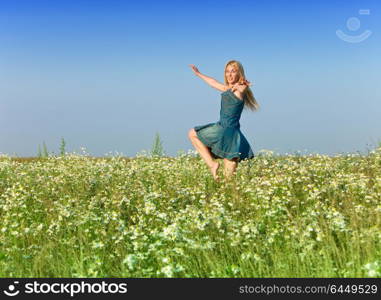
pixel 231 74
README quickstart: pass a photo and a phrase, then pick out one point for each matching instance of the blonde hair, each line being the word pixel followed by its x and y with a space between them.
pixel 248 96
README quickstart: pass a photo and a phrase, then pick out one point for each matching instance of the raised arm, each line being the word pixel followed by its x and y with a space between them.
pixel 209 80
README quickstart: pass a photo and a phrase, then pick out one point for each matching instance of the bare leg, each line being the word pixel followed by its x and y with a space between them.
pixel 204 153
pixel 230 167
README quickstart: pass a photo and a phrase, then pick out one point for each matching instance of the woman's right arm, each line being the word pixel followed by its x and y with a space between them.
pixel 209 80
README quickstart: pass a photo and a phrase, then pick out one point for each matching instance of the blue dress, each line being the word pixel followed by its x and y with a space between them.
pixel 224 138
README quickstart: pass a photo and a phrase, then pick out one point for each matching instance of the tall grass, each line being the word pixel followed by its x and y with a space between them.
pixel 280 216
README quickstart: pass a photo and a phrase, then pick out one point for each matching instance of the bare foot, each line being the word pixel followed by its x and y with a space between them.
pixel 214 169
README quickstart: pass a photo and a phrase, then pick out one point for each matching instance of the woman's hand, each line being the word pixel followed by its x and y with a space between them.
pixel 195 70
pixel 241 85
pixel 245 82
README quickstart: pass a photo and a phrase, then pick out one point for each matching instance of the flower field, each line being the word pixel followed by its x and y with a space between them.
pixel 280 216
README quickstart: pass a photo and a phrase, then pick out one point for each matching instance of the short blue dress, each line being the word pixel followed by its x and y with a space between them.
pixel 224 138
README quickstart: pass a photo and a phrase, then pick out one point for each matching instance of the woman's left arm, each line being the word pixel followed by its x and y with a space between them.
pixel 239 88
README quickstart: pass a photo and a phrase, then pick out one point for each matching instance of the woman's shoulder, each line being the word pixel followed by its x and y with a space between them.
pixel 225 88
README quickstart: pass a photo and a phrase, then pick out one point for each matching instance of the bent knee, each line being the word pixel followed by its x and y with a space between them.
pixel 192 133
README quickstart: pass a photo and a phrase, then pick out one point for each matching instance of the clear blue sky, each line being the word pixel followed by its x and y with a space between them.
pixel 108 75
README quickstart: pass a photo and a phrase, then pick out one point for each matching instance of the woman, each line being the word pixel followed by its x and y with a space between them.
pixel 224 139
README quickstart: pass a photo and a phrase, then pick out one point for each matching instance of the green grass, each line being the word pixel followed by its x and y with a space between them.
pixel 280 216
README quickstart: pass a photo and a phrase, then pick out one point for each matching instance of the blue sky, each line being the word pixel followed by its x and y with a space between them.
pixel 109 75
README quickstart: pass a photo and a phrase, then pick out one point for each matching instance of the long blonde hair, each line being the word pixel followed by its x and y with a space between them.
pixel 248 96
